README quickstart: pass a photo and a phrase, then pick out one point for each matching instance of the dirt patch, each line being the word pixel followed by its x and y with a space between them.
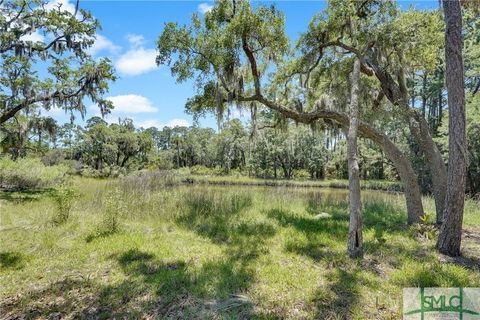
pixel 471 235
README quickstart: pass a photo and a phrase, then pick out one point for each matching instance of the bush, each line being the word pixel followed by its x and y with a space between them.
pixel 114 207
pixel 29 173
pixel 301 174
pixel 162 160
pixel 64 199
pixel 53 157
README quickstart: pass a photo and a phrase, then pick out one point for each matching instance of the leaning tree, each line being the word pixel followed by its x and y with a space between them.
pixel 230 53
pixel 45 60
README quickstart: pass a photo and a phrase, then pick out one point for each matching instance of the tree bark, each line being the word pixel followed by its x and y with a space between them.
pixel 355 238
pixel 438 171
pixel 450 236
pixel 397 94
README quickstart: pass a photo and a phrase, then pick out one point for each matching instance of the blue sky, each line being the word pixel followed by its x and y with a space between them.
pixel 147 93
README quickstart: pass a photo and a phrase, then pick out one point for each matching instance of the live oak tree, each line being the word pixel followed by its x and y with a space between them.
pixel 44 60
pixel 116 145
pixel 230 51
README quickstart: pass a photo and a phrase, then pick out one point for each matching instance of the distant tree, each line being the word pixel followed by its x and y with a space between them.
pixel 44 125
pixel 93 121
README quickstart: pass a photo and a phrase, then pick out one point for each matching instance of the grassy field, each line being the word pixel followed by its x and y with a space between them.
pixel 137 248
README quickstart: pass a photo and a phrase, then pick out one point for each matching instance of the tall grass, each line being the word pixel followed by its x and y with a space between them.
pixel 214 252
pixel 212 214
pixel 29 173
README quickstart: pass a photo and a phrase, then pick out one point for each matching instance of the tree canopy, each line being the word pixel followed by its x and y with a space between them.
pixel 44 59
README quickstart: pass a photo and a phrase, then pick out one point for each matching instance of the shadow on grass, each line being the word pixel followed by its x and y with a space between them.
pixel 97 234
pixel 11 260
pixel 334 227
pixel 22 196
pixel 177 290
pixel 218 216
pixel 213 215
pixel 341 296
pixel 65 298
pixel 152 288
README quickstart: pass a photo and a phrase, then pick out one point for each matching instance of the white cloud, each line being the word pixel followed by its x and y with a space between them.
pixel 137 61
pixel 127 104
pixel 204 7
pixel 155 123
pixel 132 103
pixel 135 39
pixel 62 4
pixel 103 44
pixel 34 37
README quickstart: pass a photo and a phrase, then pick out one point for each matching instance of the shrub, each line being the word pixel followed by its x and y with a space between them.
pixel 114 208
pixel 64 199
pixel 205 171
pixel 106 172
pixel 29 173
pixel 200 170
pixel 301 174
pixel 53 157
pixel 162 160
pixel 425 229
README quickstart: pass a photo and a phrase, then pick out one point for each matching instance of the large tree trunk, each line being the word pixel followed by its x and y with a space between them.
pixel 450 236
pixel 438 171
pixel 404 168
pixel 407 176
pixel 396 93
pixel 355 238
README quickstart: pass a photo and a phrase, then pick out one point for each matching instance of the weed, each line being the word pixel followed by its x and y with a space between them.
pixel 64 199
pixel 425 229
pixel 114 208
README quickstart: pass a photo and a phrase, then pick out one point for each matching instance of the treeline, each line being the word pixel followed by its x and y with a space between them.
pixel 102 149
pixel 274 152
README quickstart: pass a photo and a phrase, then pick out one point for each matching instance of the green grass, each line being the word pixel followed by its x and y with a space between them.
pixel 203 251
